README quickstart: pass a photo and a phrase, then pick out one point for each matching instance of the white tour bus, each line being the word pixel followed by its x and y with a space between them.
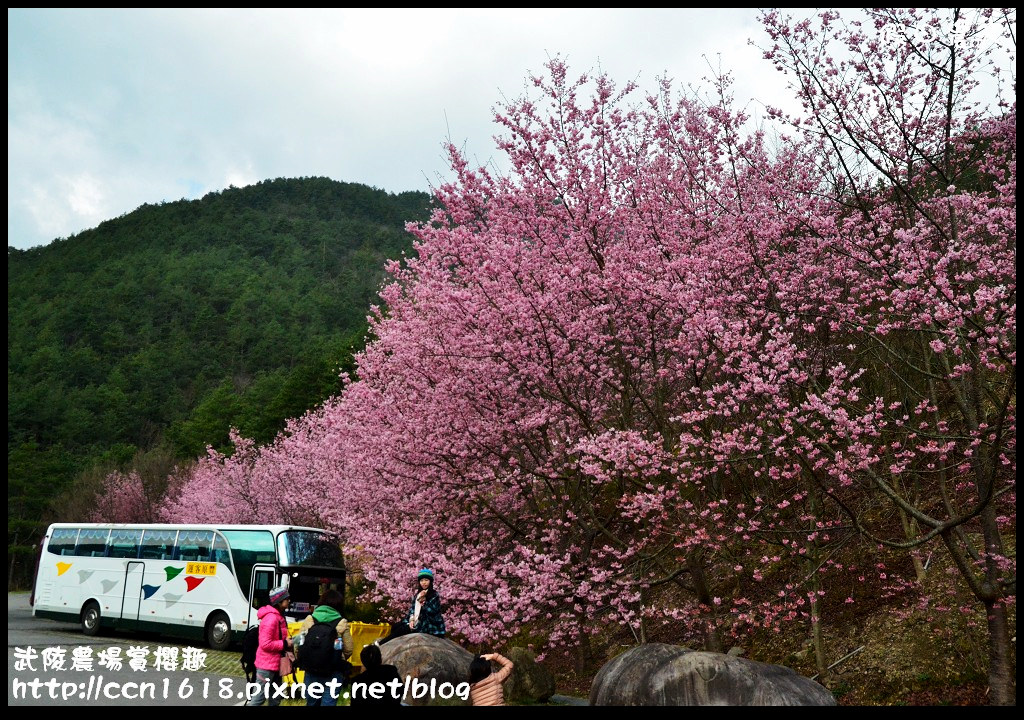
pixel 191 581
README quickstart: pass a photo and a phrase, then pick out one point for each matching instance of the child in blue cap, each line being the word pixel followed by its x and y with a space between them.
pixel 424 614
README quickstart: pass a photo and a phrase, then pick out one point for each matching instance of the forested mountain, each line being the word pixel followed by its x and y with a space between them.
pixel 169 324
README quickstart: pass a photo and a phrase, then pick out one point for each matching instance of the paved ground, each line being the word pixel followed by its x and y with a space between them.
pixel 567 700
pixel 88 683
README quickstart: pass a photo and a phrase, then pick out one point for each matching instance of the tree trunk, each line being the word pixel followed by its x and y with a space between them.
pixel 819 646
pixel 713 639
pixel 582 655
pixel 912 531
pixel 1001 676
pixel 812 566
pixel 1001 672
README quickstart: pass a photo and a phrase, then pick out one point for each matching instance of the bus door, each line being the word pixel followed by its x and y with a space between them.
pixel 131 601
pixel 260 585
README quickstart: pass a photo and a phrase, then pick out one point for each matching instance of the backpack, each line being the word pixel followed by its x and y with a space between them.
pixel 250 644
pixel 317 654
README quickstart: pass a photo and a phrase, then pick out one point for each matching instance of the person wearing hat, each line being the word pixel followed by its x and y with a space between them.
pixel 274 642
pixel 328 610
pixel 425 612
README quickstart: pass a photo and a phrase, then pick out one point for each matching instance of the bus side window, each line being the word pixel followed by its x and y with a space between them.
pixel 92 543
pixel 193 545
pixel 63 541
pixel 158 544
pixel 124 543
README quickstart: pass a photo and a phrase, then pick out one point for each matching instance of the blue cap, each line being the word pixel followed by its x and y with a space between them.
pixel 425 573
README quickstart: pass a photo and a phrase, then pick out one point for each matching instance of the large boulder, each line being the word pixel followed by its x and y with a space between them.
pixel 657 674
pixel 530 681
pixel 428 658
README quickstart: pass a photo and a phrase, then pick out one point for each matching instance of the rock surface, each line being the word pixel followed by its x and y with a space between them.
pixel 428 658
pixel 530 681
pixel 658 674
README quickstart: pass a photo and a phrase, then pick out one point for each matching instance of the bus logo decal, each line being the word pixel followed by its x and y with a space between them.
pixel 84 575
pixel 172 572
pixel 193 582
pixel 148 591
pixel 62 568
pixel 201 568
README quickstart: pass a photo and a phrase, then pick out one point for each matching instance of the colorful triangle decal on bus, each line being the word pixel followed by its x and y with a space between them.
pixel 193 582
pixel 148 590
pixel 62 568
pixel 172 572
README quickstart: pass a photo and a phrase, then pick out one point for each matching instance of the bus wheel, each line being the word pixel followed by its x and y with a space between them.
pixel 91 618
pixel 218 631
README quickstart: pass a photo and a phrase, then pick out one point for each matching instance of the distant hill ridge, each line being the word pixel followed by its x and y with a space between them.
pixel 294 199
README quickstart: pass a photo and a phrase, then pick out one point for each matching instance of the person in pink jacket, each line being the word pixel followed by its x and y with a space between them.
pixel 274 641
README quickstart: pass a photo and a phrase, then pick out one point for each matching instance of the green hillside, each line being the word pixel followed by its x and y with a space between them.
pixel 165 326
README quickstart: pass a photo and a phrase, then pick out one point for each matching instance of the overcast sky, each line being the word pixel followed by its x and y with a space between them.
pixel 110 109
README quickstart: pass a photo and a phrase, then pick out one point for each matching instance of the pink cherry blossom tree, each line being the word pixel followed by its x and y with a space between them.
pixel 532 380
pixel 907 297
pixel 133 496
pixel 124 498
pixel 252 485
pixel 664 367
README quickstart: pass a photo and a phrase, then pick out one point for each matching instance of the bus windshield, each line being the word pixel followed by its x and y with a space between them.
pixel 309 549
